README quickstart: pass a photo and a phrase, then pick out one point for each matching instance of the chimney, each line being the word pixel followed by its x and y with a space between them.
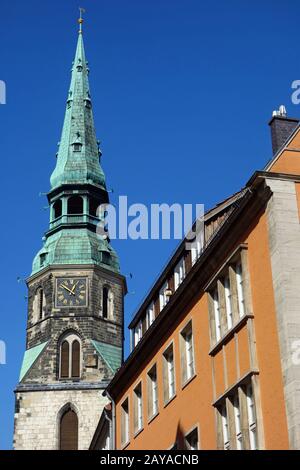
pixel 281 128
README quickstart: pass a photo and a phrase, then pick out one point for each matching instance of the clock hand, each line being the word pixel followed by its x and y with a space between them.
pixel 74 287
pixel 65 287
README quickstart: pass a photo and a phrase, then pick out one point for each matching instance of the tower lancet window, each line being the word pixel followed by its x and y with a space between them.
pixel 75 205
pixel 68 430
pixel 38 304
pixel 107 303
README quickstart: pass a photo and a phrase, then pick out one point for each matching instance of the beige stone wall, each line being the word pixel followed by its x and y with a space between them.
pixel 284 239
pixel 37 422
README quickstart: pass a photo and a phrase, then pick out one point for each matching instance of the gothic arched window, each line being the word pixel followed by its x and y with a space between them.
pixel 70 357
pixel 41 303
pixel 107 303
pixel 68 430
pixel 75 205
pixel 38 304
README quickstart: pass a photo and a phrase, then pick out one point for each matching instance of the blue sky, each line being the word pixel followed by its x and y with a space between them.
pixel 182 93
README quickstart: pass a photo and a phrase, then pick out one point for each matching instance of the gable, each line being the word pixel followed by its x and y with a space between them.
pixel 287 160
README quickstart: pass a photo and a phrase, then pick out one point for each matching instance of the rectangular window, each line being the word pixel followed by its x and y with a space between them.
pixel 150 315
pixel 217 314
pixel 251 417
pixel 225 429
pixel 192 440
pixel 152 392
pixel 163 298
pixel 187 353
pixel 197 247
pixel 237 422
pixel 138 333
pixel 179 273
pixel 240 289
pixel 125 422
pixel 228 302
pixel 169 374
pixel 138 407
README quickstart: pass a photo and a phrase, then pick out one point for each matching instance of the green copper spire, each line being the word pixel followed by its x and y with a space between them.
pixel 78 154
pixel 77 184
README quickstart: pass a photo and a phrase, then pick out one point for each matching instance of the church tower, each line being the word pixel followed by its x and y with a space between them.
pixel 75 294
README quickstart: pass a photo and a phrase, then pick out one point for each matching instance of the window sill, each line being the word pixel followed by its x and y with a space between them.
pixel 69 379
pixel 138 432
pixel 153 417
pixel 123 446
pixel 230 333
pixel 169 400
pixel 185 384
pixel 242 380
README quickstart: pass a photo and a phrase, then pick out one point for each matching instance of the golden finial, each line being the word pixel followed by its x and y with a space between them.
pixel 80 20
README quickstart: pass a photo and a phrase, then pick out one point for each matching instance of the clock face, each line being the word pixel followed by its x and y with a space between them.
pixel 71 292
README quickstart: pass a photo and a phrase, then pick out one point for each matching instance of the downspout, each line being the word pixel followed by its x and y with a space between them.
pixel 113 421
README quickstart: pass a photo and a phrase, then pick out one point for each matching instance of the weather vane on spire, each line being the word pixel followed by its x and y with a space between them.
pixel 80 20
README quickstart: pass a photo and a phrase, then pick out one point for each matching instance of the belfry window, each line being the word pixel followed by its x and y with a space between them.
pixel 75 205
pixel 57 209
pixel 77 147
pixel 41 303
pixel 107 303
pixel 93 207
pixel 70 354
pixel 38 304
pixel 68 430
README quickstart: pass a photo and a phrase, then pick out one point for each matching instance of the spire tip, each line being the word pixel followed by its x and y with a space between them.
pixel 80 19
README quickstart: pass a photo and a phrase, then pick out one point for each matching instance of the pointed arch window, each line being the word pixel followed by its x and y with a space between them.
pixel 107 303
pixel 68 430
pixel 70 357
pixel 38 304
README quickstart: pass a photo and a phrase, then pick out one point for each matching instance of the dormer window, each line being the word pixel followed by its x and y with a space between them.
pixel 77 147
pixel 88 103
pixel 77 144
pixel 79 65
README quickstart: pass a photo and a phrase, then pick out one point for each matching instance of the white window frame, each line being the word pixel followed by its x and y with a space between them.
pixel 237 422
pixel 179 273
pixel 225 428
pixel 169 364
pixel 240 288
pixel 138 396
pixel 138 333
pixel 152 381
pixel 150 315
pixel 217 316
pixel 197 247
pixel 252 427
pixel 126 429
pixel 188 361
pixel 163 298
pixel 228 303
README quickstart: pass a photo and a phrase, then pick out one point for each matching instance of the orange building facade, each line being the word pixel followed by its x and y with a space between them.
pixel 214 344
